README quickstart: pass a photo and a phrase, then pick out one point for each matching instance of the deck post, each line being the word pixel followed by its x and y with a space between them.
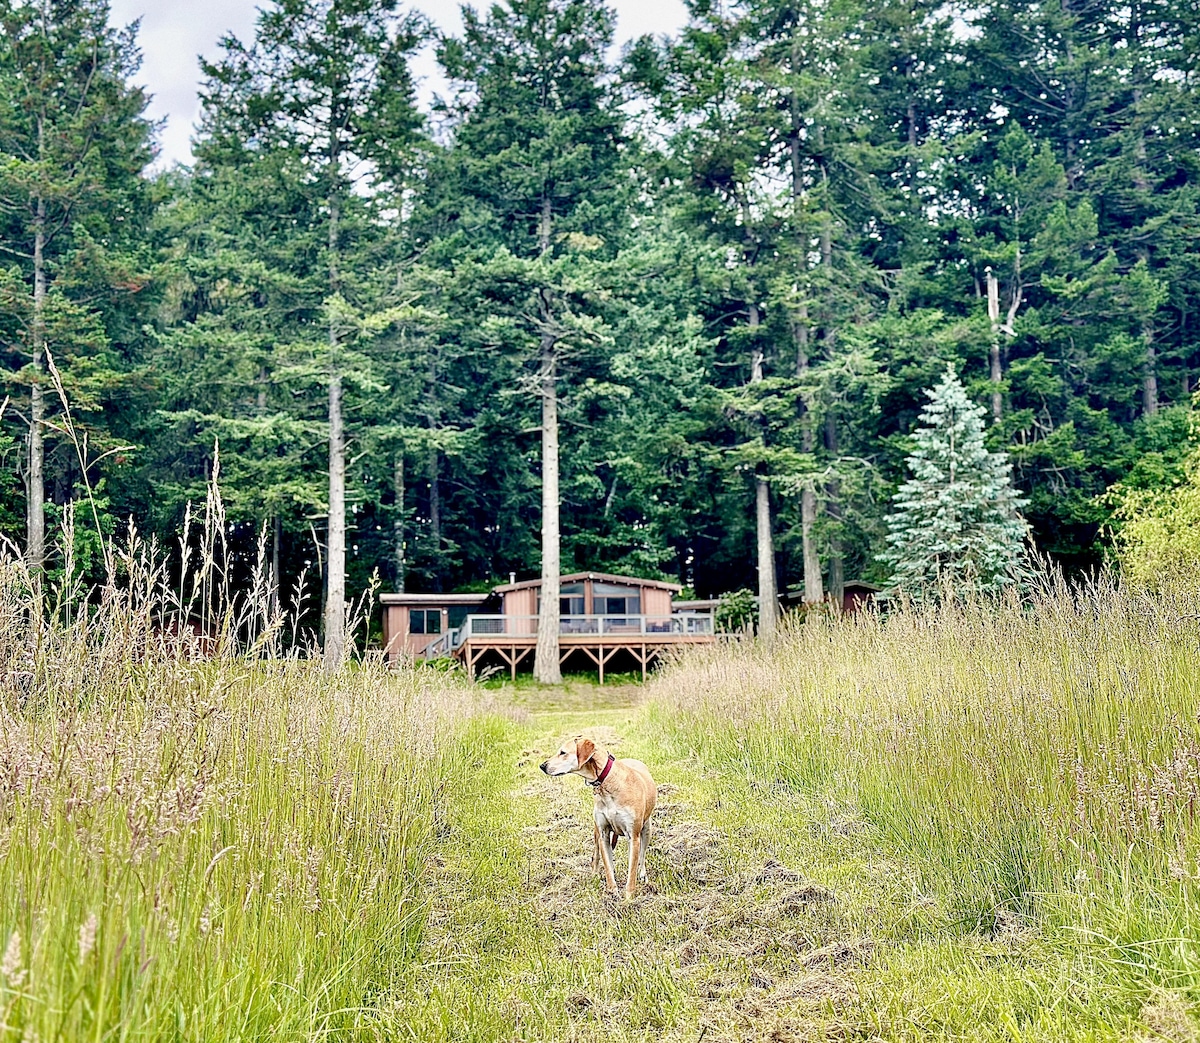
pixel 512 663
pixel 606 655
pixel 643 661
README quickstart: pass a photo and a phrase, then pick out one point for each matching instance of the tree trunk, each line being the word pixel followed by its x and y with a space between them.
pixel 808 494
pixel 546 666
pixel 398 547
pixel 1150 374
pixel 35 547
pixel 335 551
pixel 35 509
pixel 1150 359
pixel 276 598
pixel 433 472
pixel 813 592
pixel 768 599
pixel 833 494
pixel 911 114
pixel 826 212
pixel 997 374
pixel 829 336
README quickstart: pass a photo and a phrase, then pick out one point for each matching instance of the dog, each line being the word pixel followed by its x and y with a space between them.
pixel 625 799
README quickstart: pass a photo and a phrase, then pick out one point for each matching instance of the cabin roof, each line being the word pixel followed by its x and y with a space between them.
pixel 604 577
pixel 434 599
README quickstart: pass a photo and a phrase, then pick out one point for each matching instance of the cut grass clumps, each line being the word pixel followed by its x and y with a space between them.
pixel 1036 758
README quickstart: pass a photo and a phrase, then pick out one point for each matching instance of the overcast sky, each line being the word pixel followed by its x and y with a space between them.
pixel 174 32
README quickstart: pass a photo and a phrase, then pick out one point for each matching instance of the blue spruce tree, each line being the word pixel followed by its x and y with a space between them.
pixel 956 521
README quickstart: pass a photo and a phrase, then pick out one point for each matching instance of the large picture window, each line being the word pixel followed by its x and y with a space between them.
pixel 570 603
pixel 611 600
pixel 628 606
pixel 424 620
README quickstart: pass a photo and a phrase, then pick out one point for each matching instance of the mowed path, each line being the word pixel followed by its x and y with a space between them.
pixel 727 941
pixel 764 919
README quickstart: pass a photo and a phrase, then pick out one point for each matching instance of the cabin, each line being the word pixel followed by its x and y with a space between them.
pixel 856 595
pixel 413 622
pixel 606 622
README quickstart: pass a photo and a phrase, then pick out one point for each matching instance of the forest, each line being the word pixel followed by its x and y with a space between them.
pixel 726 266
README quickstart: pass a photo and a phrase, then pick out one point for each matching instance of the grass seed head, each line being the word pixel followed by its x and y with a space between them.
pixel 11 968
pixel 87 936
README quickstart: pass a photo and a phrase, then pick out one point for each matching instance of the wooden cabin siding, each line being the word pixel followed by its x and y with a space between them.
pixel 397 641
pixel 631 626
pixel 656 601
pixel 398 609
pixel 522 602
pixel 395 619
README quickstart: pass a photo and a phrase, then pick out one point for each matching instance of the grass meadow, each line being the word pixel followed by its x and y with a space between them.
pixel 966 822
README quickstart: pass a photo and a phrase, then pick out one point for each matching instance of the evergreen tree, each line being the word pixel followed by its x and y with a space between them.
pixel 712 318
pixel 74 207
pixel 323 99
pixel 766 100
pixel 957 519
pixel 534 177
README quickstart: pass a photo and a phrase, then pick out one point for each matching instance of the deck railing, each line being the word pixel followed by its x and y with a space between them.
pixel 443 646
pixel 682 623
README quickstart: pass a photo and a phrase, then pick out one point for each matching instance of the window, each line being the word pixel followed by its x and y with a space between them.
pixel 629 606
pixel 571 601
pixel 611 600
pixel 424 620
pixel 457 614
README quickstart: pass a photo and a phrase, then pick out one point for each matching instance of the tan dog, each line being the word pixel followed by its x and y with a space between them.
pixel 625 799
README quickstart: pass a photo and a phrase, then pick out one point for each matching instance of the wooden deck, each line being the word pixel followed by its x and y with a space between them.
pixel 602 641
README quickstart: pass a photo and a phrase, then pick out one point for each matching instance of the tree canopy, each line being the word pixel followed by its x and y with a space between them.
pixel 722 267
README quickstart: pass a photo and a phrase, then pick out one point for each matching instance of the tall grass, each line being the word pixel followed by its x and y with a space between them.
pixel 1037 757
pixel 202 836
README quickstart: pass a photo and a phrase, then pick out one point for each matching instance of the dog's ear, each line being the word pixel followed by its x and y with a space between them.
pixel 584 748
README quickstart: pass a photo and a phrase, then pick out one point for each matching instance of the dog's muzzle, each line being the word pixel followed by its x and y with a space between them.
pixel 544 768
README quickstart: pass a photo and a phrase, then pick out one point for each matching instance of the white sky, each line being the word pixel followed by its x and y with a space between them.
pixel 173 33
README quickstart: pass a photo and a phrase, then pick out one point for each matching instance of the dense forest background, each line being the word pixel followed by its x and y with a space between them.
pixel 740 255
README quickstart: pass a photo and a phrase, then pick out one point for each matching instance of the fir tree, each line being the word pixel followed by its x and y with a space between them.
pixel 323 95
pixel 74 141
pixel 537 176
pixel 957 520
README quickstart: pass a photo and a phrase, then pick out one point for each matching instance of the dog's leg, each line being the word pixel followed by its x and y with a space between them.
pixel 612 846
pixel 645 844
pixel 635 850
pixel 606 854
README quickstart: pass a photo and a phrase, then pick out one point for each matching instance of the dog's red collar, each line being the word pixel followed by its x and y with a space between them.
pixel 604 774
